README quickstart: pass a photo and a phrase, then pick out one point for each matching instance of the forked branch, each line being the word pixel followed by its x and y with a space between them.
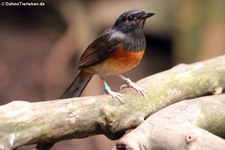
pixel 24 123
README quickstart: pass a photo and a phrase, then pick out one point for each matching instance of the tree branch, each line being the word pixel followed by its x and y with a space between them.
pixel 179 127
pixel 24 123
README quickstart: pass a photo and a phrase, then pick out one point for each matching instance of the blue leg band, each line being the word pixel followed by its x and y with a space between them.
pixel 107 88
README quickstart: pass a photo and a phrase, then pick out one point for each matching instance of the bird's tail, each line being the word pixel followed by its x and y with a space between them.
pixel 77 86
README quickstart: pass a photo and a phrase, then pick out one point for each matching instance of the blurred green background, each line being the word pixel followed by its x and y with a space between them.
pixel 41 45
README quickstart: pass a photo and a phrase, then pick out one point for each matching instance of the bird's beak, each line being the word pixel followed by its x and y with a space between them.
pixel 147 15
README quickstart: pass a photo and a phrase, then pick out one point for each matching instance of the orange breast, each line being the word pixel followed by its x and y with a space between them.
pixel 120 62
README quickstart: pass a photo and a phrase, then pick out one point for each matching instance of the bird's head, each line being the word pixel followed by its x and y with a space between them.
pixel 132 20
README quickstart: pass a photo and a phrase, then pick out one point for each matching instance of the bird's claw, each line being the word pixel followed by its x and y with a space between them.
pixel 136 87
pixel 116 95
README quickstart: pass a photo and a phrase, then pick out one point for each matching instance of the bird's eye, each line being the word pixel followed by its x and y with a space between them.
pixel 130 18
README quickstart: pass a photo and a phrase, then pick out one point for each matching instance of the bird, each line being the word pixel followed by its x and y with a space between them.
pixel 115 51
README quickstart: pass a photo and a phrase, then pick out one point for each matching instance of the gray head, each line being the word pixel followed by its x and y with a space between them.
pixel 131 21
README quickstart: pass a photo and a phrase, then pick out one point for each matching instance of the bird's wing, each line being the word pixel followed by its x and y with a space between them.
pixel 100 49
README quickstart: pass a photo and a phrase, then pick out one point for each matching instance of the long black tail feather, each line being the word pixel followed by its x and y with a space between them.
pixel 76 87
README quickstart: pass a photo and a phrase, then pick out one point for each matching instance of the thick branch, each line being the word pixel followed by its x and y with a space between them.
pixel 179 127
pixel 24 123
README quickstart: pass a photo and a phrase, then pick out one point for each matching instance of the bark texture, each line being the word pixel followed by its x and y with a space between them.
pixel 182 126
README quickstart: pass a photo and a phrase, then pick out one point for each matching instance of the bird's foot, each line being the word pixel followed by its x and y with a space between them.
pixel 131 84
pixel 113 94
pixel 116 95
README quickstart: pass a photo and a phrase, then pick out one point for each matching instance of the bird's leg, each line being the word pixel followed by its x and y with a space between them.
pixel 131 84
pixel 109 91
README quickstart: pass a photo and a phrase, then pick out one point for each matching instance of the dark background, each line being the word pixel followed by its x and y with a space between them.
pixel 41 45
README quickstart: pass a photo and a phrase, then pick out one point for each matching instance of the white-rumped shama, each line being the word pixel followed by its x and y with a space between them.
pixel 115 51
